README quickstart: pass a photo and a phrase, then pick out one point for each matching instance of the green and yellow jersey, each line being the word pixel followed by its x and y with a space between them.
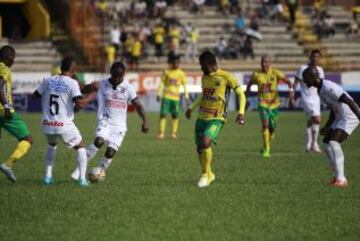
pixel 171 80
pixel 5 73
pixel 215 94
pixel 268 87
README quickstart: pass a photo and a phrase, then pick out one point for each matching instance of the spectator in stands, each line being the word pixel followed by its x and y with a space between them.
pixel 121 10
pixel 248 49
pixel 139 8
pixel 254 22
pixel 232 49
pixel 158 34
pixel 160 8
pixel 353 31
pixel 277 10
pixel 265 9
pixel 240 23
pixel 329 28
pixel 292 6
pixel 129 43
pixel 175 35
pixel 101 8
pixel 110 52
pixel 115 39
pixel 220 48
pixel 135 53
pixel 224 6
pixel 191 50
pixel 234 6
pixel 144 37
pixel 197 6
pixel 123 38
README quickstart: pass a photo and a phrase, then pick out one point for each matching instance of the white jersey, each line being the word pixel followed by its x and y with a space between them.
pixel 113 103
pixel 306 92
pixel 330 94
pixel 57 94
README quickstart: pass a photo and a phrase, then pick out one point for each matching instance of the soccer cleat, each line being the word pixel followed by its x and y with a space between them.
pixel 9 173
pixel 266 153
pixel 316 149
pixel 75 174
pixel 173 136
pixel 339 183
pixel 84 183
pixel 48 181
pixel 206 179
pixel 160 136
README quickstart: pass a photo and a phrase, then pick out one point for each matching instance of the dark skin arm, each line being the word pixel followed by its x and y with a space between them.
pixel 82 102
pixel 3 100
pixel 353 106
pixel 141 112
pixel 331 119
pixel 89 88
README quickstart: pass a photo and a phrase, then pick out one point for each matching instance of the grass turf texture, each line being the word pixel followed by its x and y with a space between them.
pixel 150 192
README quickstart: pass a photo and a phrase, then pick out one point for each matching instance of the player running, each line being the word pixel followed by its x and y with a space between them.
pixel 343 120
pixel 216 85
pixel 267 80
pixel 58 95
pixel 113 97
pixel 169 94
pixel 9 119
pixel 310 101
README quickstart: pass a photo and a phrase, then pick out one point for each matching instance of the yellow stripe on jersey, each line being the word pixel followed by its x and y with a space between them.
pixel 268 87
pixel 5 73
pixel 171 80
pixel 215 94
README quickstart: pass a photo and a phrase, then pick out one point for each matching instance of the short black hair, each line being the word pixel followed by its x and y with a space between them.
pixel 207 57
pixel 66 64
pixel 315 51
pixel 117 65
pixel 6 51
pixel 173 57
pixel 310 71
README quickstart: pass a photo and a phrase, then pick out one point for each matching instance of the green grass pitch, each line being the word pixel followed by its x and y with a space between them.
pixel 150 192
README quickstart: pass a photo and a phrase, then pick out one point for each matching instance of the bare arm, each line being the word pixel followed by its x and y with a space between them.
pixel 82 102
pixel 36 95
pixel 248 86
pixel 89 88
pixel 195 104
pixel 291 92
pixel 3 98
pixel 353 106
pixel 141 112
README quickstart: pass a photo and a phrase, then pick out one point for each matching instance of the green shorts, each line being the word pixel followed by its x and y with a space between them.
pixel 210 128
pixel 15 126
pixel 271 115
pixel 170 106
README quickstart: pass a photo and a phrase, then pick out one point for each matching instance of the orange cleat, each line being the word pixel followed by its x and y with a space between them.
pixel 339 183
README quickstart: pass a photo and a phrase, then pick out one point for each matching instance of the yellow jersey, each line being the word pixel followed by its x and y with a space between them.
pixel 171 80
pixel 110 53
pixel 215 94
pixel 5 73
pixel 268 87
pixel 159 35
pixel 136 49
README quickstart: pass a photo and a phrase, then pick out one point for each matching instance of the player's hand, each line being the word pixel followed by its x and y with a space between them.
pixel 145 127
pixel 158 98
pixel 95 86
pixel 7 113
pixel 240 119
pixel 188 113
pixel 324 130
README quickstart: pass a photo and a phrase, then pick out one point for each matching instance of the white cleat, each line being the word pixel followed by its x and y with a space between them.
pixel 316 149
pixel 9 173
pixel 205 180
pixel 75 174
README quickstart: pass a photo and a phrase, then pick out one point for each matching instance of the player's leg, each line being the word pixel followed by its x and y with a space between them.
pixel 273 118
pixel 332 143
pixel 175 109
pixel 315 129
pixel 164 109
pixel 115 140
pixel 264 117
pixel 17 128
pixel 49 159
pixel 94 147
pixel 308 135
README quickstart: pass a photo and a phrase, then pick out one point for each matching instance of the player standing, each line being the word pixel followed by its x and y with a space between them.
pixel 113 97
pixel 267 80
pixel 169 94
pixel 343 120
pixel 216 85
pixel 9 119
pixel 310 101
pixel 58 95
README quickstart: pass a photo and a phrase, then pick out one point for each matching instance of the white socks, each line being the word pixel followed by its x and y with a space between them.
pixel 336 158
pixel 105 163
pixel 91 151
pixel 311 136
pixel 82 162
pixel 49 160
pixel 308 137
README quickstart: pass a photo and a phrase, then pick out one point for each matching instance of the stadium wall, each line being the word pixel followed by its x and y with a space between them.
pixel 146 85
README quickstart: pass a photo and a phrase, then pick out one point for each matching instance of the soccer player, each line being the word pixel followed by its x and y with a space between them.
pixel 113 97
pixel 169 95
pixel 60 97
pixel 344 118
pixel 267 80
pixel 310 101
pixel 216 85
pixel 9 119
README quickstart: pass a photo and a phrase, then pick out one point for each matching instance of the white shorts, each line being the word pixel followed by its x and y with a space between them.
pixel 347 125
pixel 311 107
pixel 71 136
pixel 111 134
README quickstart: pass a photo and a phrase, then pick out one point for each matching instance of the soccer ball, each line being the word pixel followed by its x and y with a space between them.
pixel 96 174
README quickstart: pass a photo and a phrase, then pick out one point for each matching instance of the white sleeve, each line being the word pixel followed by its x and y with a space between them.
pixel 334 91
pixel 132 93
pixel 321 72
pixel 75 90
pixel 298 73
pixel 41 89
pixel 101 104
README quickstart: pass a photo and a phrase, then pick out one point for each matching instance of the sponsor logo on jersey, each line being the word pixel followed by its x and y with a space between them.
pixel 52 123
pixel 116 104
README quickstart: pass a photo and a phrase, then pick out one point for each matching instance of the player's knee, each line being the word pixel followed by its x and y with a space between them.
pixel 28 139
pixel 80 145
pixel 315 120
pixel 174 116
pixel 162 116
pixel 99 142
pixel 110 152
pixel 206 142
